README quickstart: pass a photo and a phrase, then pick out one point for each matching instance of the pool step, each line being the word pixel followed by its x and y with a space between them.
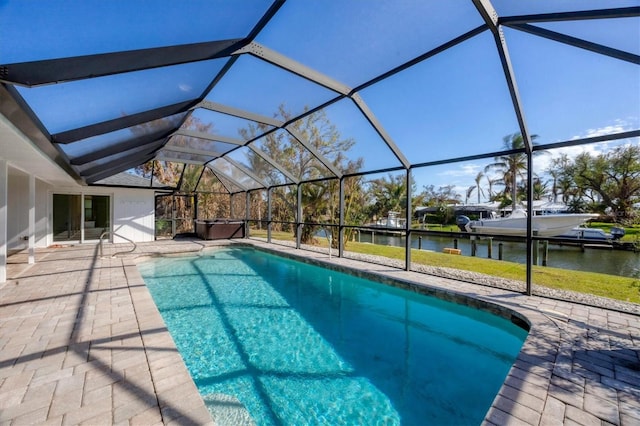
pixel 227 410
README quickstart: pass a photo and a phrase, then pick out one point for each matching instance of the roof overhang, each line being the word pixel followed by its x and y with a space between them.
pixel 20 153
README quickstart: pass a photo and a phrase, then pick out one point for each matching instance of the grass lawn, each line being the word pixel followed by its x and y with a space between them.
pixel 631 233
pixel 611 286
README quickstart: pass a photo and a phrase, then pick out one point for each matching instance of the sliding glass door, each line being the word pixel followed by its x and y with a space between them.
pixel 80 218
pixel 66 217
pixel 96 216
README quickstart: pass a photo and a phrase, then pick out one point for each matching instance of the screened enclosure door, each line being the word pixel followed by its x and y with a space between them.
pixel 164 217
pixel 68 214
pixel 175 215
pixel 184 207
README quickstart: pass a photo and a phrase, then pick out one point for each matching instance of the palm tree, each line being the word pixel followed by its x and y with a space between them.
pixel 561 180
pixel 511 166
pixel 468 193
pixel 491 181
pixel 540 189
pixel 479 189
pixel 390 193
pixel 555 175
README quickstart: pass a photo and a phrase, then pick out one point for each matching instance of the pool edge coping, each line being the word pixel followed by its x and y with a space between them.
pixel 152 320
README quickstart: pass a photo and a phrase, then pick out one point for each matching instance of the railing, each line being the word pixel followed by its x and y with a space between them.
pixel 102 235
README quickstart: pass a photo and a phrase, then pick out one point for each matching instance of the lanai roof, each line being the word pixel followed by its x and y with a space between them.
pixel 104 87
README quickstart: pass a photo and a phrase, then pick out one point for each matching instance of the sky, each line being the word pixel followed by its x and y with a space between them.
pixel 453 104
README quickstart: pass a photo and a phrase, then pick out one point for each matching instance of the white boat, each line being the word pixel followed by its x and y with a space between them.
pixel 594 234
pixel 547 225
pixel 391 221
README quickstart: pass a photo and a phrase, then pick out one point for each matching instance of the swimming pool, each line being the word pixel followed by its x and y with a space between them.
pixel 299 344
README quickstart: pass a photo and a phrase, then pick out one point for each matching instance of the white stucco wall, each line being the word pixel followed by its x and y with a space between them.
pixel 17 210
pixel 132 211
pixel 42 213
pixel 133 215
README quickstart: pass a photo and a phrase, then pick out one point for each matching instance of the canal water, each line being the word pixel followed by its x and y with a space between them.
pixel 606 261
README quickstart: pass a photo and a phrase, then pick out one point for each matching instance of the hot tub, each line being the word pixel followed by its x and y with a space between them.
pixel 218 229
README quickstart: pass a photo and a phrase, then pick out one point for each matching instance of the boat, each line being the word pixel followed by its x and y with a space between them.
pixel 392 220
pixel 594 234
pixel 548 225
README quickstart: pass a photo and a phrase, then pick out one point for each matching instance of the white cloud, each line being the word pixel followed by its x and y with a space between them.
pixel 542 162
pixel 618 126
pixel 463 175
pixel 463 170
pixel 184 87
pixel 607 130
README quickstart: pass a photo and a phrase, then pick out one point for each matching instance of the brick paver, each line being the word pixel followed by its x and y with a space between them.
pixel 81 342
pixel 73 350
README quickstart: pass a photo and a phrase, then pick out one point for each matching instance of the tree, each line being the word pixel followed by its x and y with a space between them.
pixel 511 166
pixel 560 179
pixel 169 173
pixel 320 199
pixel 478 188
pixel 182 177
pixel 468 193
pixel 444 197
pixel 540 189
pixel 614 177
pixel 490 182
pixel 389 193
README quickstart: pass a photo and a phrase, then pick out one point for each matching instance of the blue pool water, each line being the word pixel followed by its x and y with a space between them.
pixel 298 344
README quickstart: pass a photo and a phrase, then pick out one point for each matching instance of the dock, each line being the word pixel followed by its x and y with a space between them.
pixel 579 242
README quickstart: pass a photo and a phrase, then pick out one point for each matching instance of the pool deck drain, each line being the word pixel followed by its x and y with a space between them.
pixel 81 342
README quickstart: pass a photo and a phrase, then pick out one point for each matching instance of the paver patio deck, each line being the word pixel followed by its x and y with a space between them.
pixel 81 342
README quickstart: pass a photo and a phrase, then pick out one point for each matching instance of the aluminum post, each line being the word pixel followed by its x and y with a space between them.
pixel 407 226
pixel 341 220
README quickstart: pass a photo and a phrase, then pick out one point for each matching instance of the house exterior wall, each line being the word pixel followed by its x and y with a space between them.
pixel 17 210
pixel 42 213
pixel 132 211
pixel 133 215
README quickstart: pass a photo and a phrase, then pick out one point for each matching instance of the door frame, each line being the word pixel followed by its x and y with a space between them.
pixel 82 194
